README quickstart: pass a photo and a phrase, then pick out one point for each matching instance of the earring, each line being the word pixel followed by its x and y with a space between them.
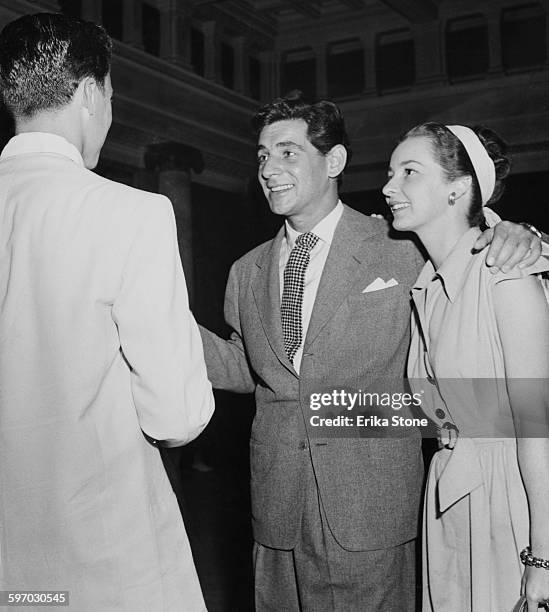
pixel 452 198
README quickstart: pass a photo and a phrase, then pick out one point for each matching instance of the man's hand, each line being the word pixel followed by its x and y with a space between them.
pixel 510 244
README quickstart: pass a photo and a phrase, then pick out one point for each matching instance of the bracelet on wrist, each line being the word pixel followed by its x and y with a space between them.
pixel 528 558
pixel 532 229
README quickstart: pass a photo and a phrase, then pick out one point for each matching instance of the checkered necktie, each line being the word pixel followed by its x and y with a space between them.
pixel 292 294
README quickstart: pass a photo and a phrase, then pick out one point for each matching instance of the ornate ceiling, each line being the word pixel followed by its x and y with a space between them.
pixel 281 11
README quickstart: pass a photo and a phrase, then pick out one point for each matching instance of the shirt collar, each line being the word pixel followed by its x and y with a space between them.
pixel 41 142
pixel 324 229
pixel 454 269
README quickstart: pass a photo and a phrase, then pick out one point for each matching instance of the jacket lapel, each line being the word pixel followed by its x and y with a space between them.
pixel 352 250
pixel 266 290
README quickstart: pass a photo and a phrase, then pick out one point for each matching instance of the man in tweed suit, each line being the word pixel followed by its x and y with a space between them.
pixel 334 519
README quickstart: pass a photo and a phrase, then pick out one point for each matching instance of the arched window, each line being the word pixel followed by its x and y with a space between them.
pixel 345 65
pixel 113 17
pixel 227 64
pixel 395 60
pixel 467 53
pixel 523 37
pixel 197 50
pixel 151 28
pixel 299 72
pixel 72 8
pixel 255 77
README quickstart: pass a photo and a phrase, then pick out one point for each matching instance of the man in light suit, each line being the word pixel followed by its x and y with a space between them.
pixel 98 348
pixel 334 518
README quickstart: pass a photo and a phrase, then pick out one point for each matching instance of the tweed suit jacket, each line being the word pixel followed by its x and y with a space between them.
pixel 369 488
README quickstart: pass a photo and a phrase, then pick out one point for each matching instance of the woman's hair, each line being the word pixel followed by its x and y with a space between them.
pixel 451 155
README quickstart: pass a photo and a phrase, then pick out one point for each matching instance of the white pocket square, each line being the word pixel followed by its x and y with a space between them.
pixel 378 284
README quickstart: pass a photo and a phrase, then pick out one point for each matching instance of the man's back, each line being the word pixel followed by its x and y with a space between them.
pixel 94 347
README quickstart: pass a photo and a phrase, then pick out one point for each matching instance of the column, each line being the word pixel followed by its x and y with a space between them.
pixel 370 80
pixel 428 52
pixel 212 51
pixel 92 11
pixel 175 28
pixel 146 180
pixel 495 60
pixel 320 51
pixel 132 32
pixel 241 66
pixel 173 163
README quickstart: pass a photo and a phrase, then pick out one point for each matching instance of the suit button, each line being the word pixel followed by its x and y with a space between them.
pixel 431 380
pixel 440 414
pixel 303 445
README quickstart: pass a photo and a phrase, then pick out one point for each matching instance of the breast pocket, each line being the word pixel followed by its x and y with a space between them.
pixel 376 323
pixel 383 304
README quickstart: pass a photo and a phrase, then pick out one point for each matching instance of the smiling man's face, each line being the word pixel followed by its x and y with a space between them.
pixel 294 174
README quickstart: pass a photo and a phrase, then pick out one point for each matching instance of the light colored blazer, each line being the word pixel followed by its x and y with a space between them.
pixel 97 344
pixel 370 488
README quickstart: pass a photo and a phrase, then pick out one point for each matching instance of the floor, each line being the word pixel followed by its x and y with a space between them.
pixel 217 516
pixel 211 481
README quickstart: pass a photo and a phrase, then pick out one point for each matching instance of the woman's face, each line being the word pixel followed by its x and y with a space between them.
pixel 417 190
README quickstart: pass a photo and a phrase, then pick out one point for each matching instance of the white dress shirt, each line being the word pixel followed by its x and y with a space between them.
pixel 324 229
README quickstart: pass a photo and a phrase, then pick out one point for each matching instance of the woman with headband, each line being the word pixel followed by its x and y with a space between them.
pixel 476 335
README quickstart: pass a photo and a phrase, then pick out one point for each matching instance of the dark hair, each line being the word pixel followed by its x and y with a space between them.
pixel 43 58
pixel 325 125
pixel 454 160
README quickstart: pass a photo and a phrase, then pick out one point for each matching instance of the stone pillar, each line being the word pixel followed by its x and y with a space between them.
pixel 370 80
pixel 175 28
pixel 92 11
pixel 495 60
pixel 241 66
pixel 132 32
pixel 212 51
pixel 428 51
pixel 173 163
pixel 320 52
pixel 146 179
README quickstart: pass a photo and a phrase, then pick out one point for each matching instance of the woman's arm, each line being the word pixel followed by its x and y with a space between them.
pixel 523 323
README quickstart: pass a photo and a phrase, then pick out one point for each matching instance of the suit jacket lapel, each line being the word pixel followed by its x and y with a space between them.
pixel 266 290
pixel 350 251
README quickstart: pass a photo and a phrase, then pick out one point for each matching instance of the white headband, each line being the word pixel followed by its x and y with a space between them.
pixel 482 163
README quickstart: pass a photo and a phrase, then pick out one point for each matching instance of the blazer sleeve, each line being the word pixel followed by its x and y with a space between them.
pixel 227 362
pixel 159 337
pixel 545 244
